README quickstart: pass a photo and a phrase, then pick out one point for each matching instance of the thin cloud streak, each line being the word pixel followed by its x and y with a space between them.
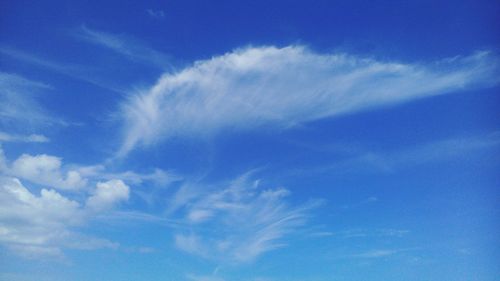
pixel 20 106
pixel 72 71
pixel 125 46
pixel 5 137
pixel 284 87
pixel 156 14
pixel 430 152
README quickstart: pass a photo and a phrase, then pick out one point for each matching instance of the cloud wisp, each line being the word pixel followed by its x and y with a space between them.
pixel 128 47
pixel 156 14
pixel 391 161
pixel 283 87
pixel 237 223
pixel 5 137
pixel 20 104
pixel 73 71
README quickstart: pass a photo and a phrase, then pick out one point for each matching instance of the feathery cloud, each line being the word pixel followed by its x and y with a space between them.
pixel 283 87
pixel 78 72
pixel 237 223
pixel 125 46
pixel 20 105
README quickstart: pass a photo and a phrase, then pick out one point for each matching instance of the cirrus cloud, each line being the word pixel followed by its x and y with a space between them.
pixel 283 87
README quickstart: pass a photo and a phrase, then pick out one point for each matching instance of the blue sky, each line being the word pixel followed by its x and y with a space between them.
pixel 249 140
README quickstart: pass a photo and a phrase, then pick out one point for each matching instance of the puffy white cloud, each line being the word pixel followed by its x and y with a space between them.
pixel 107 194
pixel 43 225
pixel 282 87
pixel 237 223
pixel 30 223
pixel 46 170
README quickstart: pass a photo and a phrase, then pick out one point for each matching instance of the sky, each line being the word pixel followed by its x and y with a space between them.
pixel 249 140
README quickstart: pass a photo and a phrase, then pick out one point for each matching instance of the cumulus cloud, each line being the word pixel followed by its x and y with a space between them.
pixel 283 87
pixel 46 170
pixel 40 225
pixel 41 222
pixel 107 194
pixel 50 171
pixel 34 226
pixel 237 223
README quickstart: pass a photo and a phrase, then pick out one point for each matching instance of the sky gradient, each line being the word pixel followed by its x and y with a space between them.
pixel 249 140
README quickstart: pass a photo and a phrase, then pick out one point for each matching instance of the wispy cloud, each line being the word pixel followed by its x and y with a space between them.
pixel 5 137
pixel 381 253
pixel 36 60
pixel 69 70
pixel 362 233
pixel 390 161
pixel 126 46
pixel 156 14
pixel 239 222
pixel 20 104
pixel 283 87
pixel 194 277
pixel 157 176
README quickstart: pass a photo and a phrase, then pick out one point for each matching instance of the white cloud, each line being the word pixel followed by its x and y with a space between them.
pixel 156 14
pixel 107 194
pixel 43 225
pixel 34 226
pixel 5 137
pixel 382 253
pixel 20 106
pixel 46 170
pixel 125 46
pixel 283 87
pixel 30 224
pixel 49 171
pixel 157 176
pixel 237 223
pixel 74 71
pixel 390 161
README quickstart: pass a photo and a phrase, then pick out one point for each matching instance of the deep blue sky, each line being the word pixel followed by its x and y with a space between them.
pixel 249 140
